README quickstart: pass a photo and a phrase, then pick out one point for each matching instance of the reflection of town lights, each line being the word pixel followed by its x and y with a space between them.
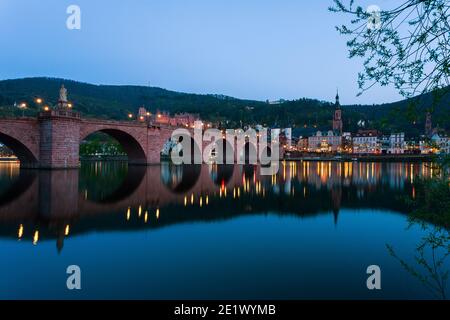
pixel 201 202
pixel 140 211
pixel 207 200
pixel 128 214
pixel 192 198
pixel 36 237
pixel 67 230
pixel 185 201
pixel 146 216
pixel 20 232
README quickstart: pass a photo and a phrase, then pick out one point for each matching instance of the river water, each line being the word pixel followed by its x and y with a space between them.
pixel 211 232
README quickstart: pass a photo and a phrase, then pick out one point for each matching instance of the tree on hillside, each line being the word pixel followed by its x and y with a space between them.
pixel 407 45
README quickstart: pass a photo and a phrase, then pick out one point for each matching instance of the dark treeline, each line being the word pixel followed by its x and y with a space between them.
pixel 307 115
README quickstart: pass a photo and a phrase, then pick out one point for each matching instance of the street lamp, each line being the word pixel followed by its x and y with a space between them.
pixel 38 100
pixel 23 106
pixel 130 116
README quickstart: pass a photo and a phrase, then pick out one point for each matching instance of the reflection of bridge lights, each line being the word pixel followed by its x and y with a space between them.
pixel 36 237
pixel 201 201
pixel 128 213
pixel 67 230
pixel 157 213
pixel 146 216
pixel 207 200
pixel 20 232
pixel 140 211
pixel 185 201
pixel 192 198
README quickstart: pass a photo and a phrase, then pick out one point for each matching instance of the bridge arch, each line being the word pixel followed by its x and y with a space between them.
pixel 25 155
pixel 130 142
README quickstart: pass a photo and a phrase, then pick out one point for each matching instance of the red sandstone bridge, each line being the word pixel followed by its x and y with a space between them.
pixel 52 139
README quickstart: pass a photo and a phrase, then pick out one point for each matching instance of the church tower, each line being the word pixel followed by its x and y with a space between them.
pixel 337 118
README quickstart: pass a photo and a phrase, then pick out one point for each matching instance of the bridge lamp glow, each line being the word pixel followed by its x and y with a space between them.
pixel 130 116
pixel 20 232
pixel 159 116
pixel 69 106
pixel 36 237
pixel 141 118
pixel 23 105
pixel 148 114
pixel 46 108
pixel 38 100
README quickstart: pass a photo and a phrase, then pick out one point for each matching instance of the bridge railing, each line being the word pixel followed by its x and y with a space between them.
pixel 59 113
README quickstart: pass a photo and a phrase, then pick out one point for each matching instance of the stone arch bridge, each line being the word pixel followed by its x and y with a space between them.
pixel 52 139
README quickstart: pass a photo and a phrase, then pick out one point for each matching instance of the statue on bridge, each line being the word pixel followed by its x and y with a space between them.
pixel 62 102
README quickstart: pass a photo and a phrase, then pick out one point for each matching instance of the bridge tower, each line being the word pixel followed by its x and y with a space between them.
pixel 59 136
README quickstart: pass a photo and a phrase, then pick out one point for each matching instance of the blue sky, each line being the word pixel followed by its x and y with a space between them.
pixel 255 49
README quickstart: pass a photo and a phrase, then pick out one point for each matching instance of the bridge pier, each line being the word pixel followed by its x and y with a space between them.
pixel 59 139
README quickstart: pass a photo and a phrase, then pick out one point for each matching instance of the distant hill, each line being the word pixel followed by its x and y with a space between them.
pixel 306 115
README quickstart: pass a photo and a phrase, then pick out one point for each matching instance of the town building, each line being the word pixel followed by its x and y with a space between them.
pixel 325 142
pixel 367 142
pixel 302 144
pixel 397 143
pixel 441 143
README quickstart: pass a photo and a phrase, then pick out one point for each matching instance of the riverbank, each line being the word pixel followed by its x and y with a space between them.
pixel 103 158
pixel 8 159
pixel 365 158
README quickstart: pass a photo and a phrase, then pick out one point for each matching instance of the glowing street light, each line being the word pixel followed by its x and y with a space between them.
pixel 46 108
pixel 130 116
pixel 38 100
pixel 69 105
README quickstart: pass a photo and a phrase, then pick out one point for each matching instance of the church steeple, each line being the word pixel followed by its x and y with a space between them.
pixel 337 98
pixel 337 117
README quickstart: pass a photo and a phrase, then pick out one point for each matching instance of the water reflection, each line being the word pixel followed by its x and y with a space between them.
pixel 40 205
pixel 336 215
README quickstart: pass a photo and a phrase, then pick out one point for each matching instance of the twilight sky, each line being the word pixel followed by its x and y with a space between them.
pixel 255 49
